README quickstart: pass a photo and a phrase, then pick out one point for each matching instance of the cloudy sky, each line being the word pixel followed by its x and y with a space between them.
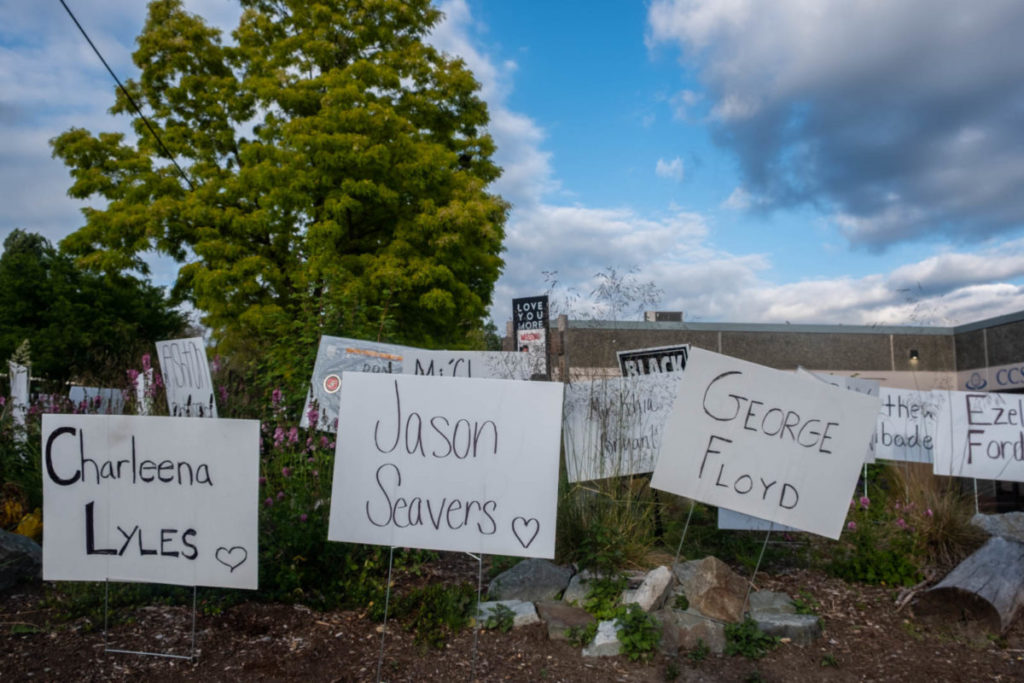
pixel 809 161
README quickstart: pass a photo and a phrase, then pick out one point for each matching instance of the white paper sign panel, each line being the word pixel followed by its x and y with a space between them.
pixel 862 386
pixel 186 375
pixel 150 499
pixel 907 428
pixel 447 464
pixel 730 520
pixel 337 355
pixel 985 436
pixel 613 427
pixel 766 443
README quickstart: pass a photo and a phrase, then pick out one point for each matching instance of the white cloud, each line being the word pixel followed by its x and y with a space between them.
pixel 672 170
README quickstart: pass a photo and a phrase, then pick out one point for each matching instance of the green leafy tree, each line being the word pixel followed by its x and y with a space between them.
pixel 78 323
pixel 336 166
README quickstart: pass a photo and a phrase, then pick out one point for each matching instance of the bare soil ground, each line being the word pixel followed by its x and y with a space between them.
pixel 866 637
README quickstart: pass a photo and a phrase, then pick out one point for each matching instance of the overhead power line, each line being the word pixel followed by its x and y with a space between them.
pixel 131 100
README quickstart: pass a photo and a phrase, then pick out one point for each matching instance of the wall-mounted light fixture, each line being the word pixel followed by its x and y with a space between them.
pixel 914 357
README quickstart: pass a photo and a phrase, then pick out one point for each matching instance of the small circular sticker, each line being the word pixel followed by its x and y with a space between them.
pixel 332 383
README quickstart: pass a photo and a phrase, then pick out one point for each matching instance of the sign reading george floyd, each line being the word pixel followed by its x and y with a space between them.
pixel 150 499
pixel 447 464
pixel 765 443
pixel 186 376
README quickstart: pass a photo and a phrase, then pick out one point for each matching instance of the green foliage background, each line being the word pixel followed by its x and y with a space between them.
pixel 337 170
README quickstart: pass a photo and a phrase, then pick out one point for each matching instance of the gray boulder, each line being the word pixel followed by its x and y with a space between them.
pixel 800 629
pixel 652 591
pixel 523 613
pixel 560 617
pixel 683 632
pixel 712 588
pixel 531 580
pixel 1008 525
pixel 606 643
pixel 21 559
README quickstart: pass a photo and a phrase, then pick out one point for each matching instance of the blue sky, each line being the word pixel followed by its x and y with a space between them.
pixel 835 161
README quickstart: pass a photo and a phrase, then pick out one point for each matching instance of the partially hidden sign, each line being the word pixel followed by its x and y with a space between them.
pixel 612 427
pixel 908 424
pixel 150 499
pixel 765 443
pixel 447 464
pixel 186 376
pixel 982 436
pixel 337 355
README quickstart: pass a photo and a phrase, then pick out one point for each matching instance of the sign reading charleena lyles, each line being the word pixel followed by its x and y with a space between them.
pixel 187 377
pixel 765 443
pixel 150 499
pixel 447 464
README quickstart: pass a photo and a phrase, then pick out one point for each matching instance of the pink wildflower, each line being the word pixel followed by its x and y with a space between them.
pixel 280 495
pixel 852 526
pixel 223 391
pixel 901 523
pixel 313 416
pixel 293 435
pixel 263 480
pixel 303 517
pixel 928 512
pixel 275 397
pixel 269 501
pixel 286 472
pixel 865 502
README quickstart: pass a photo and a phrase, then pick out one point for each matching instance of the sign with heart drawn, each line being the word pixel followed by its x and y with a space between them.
pixel 447 464
pixel 150 499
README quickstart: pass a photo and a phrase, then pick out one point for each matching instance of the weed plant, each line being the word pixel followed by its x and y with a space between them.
pixel 639 633
pixel 912 521
pixel 747 640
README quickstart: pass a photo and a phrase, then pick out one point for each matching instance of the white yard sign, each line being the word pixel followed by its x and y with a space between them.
pixel 982 436
pixel 730 520
pixel 187 377
pixel 101 400
pixel 907 427
pixel 869 387
pixel 447 464
pixel 341 354
pixel 613 427
pixel 150 499
pixel 764 442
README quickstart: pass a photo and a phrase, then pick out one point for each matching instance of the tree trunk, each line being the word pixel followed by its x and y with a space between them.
pixel 987 587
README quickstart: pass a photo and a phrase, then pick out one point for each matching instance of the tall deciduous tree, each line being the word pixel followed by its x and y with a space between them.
pixel 78 323
pixel 337 173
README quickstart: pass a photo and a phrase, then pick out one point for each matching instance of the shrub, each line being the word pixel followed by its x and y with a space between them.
pixel 639 633
pixel 435 611
pixel 746 639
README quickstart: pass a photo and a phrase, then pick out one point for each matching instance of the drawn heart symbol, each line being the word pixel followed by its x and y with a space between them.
pixel 230 559
pixel 525 524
